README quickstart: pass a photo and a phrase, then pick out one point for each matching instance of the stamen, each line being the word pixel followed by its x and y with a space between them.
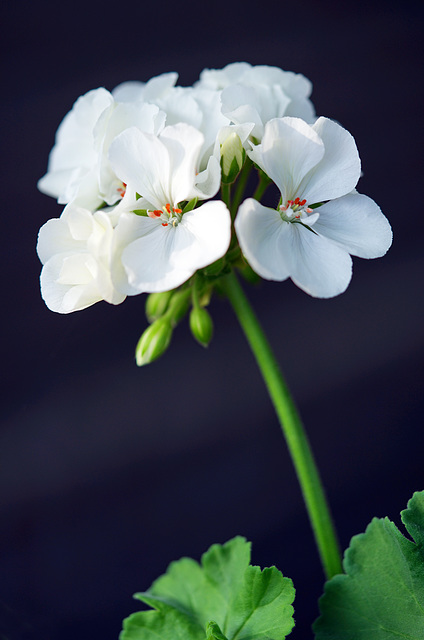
pixel 295 210
pixel 167 215
pixel 122 190
pixel 154 214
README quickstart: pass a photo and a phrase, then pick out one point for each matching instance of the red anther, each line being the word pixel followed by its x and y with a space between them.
pixel 297 217
pixel 302 203
pixel 309 210
pixel 168 207
pixel 289 203
pixel 157 213
pixel 297 201
pixel 177 210
pixel 164 224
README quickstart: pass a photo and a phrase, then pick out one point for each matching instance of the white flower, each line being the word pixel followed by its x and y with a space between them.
pixel 311 165
pixel 258 94
pixel 75 250
pixel 161 250
pixel 156 88
pixel 78 168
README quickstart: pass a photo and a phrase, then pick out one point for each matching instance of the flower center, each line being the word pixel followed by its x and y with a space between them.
pixel 167 214
pixel 297 211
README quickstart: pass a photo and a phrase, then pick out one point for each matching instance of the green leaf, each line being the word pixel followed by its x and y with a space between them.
pixel 213 632
pixel 223 598
pixel 381 597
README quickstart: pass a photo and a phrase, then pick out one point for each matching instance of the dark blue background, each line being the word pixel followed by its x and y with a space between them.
pixel 109 472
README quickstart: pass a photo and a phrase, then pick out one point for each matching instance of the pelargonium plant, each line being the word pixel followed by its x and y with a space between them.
pixel 175 192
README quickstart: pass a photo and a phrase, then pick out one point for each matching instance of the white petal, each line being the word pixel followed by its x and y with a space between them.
pixel 317 265
pixel 290 149
pixel 208 181
pixel 356 223
pixel 162 258
pixel 64 297
pixel 141 160
pixel 146 117
pixel 67 233
pixel 183 143
pixel 339 170
pixel 210 225
pixel 147 261
pixel 261 231
pixel 240 105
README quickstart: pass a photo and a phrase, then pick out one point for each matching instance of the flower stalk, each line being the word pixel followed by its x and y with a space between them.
pixel 291 425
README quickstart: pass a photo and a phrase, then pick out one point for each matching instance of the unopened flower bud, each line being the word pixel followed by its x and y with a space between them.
pixel 232 158
pixel 154 341
pixel 178 306
pixel 201 325
pixel 157 304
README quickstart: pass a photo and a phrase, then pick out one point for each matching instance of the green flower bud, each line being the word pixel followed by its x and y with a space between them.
pixel 157 304
pixel 154 341
pixel 232 158
pixel 201 325
pixel 178 306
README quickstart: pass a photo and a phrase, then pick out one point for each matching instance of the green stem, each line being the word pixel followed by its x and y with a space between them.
pixel 226 194
pixel 240 186
pixel 264 183
pixel 291 425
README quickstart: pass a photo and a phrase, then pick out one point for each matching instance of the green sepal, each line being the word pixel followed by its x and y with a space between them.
pixel 233 171
pixel 249 275
pixel 140 212
pixel 381 594
pixel 213 632
pixel 190 205
pixel 215 268
pixel 223 598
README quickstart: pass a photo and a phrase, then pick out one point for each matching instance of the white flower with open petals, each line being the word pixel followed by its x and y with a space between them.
pixel 161 249
pixel 75 250
pixel 259 93
pixel 311 165
pixel 78 168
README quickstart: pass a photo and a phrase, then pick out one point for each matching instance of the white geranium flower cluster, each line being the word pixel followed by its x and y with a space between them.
pixel 139 170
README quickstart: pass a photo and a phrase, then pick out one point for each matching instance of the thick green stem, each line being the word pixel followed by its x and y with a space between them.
pixel 297 441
